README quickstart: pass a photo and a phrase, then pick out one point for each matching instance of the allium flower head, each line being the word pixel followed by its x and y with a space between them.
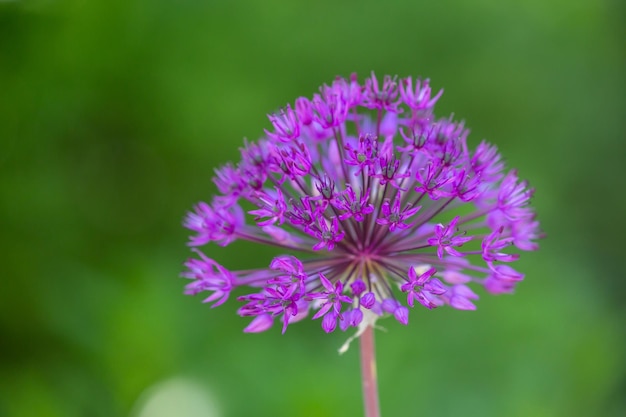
pixel 376 204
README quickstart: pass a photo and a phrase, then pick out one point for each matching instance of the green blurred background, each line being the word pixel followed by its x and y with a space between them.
pixel 113 115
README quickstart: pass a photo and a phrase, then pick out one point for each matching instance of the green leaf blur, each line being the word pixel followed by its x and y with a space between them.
pixel 113 115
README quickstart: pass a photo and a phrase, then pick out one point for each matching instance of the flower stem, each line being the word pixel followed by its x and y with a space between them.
pixel 368 373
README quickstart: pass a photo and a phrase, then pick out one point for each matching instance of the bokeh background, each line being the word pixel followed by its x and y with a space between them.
pixel 113 115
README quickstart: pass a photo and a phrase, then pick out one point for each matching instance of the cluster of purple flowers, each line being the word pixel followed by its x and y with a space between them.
pixel 370 196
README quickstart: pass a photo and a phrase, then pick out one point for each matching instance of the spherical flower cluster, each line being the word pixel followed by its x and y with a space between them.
pixel 373 201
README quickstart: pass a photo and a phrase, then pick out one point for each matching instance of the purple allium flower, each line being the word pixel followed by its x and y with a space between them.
pixel 369 196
